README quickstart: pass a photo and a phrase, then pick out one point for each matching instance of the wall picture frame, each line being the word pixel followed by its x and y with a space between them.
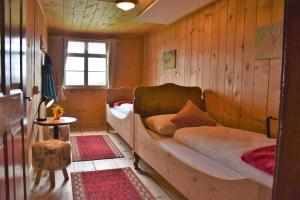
pixel 169 59
pixel 268 42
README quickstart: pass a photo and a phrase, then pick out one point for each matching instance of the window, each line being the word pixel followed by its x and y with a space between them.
pixel 86 64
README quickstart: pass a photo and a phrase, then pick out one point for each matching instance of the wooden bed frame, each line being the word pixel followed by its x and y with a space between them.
pixel 124 127
pixel 192 183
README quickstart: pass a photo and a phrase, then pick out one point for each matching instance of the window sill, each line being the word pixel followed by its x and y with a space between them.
pixel 69 87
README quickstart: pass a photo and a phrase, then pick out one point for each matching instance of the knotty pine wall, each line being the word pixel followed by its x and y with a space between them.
pixel 88 105
pixel 215 51
pixel 36 26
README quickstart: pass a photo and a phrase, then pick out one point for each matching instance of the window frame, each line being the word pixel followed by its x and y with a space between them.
pixel 86 55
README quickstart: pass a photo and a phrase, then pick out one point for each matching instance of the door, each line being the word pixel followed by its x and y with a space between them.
pixel 12 105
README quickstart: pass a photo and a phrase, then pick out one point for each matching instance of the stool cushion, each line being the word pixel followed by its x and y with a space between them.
pixel 51 155
pixel 63 132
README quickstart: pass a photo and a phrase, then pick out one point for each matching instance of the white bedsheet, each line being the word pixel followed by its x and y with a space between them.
pixel 226 145
pixel 195 159
pixel 124 108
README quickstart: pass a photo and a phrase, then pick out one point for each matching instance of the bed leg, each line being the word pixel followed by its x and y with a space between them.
pixel 136 161
pixel 107 127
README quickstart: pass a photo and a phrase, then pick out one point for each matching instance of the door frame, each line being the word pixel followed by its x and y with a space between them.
pixel 287 172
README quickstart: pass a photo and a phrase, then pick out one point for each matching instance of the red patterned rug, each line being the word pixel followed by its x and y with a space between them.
pixel 112 184
pixel 93 147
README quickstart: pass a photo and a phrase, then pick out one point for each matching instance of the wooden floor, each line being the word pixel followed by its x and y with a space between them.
pixel 63 190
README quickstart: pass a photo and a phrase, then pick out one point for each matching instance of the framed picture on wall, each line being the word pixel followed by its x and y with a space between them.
pixel 169 59
pixel 268 42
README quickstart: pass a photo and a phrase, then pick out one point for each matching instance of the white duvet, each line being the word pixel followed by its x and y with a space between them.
pixel 124 108
pixel 226 145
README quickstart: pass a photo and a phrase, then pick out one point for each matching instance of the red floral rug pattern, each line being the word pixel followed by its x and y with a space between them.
pixel 112 184
pixel 93 147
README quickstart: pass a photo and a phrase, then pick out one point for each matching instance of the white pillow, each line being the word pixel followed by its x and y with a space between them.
pixel 161 124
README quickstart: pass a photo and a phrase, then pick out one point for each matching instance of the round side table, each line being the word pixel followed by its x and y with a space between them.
pixel 56 123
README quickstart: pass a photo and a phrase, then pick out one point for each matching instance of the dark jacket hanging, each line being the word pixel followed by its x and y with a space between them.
pixel 48 88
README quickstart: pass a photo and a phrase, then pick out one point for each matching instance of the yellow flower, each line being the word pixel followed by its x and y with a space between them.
pixel 58 111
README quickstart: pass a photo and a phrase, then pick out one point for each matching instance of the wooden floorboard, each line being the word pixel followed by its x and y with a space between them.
pixel 63 189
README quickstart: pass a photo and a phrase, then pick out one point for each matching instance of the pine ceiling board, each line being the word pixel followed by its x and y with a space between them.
pixel 102 7
pixel 88 14
pixel 68 8
pixel 94 16
pixel 58 13
pixel 80 6
pixel 47 10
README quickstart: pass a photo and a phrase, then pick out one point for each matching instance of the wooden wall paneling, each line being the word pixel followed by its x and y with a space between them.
pixel 260 94
pixel 169 48
pixel 188 51
pixel 261 73
pixel 166 48
pixel 146 61
pixel 200 56
pixel 194 52
pixel 151 64
pixel 35 27
pixel 158 57
pixel 129 62
pixel 163 74
pixel 274 93
pixel 154 66
pixel 181 52
pixel 177 44
pixel 229 64
pixel 213 82
pixel 155 51
pixel 226 65
pixel 172 72
pixel 248 64
pixel 207 47
pixel 238 64
pixel 151 73
pixel 221 61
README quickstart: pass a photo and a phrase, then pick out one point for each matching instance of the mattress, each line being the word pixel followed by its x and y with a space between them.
pixel 195 159
pixel 226 145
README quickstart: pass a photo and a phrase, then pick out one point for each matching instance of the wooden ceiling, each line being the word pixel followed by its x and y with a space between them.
pixel 94 16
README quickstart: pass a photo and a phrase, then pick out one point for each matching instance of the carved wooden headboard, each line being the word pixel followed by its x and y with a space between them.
pixel 118 94
pixel 164 99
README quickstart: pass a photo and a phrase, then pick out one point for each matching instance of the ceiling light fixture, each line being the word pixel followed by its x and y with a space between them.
pixel 126 4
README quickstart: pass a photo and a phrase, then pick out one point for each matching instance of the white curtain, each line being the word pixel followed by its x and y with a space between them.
pixel 112 47
pixel 61 69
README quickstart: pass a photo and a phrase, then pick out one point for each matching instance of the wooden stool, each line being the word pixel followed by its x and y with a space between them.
pixel 51 155
pixel 63 132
